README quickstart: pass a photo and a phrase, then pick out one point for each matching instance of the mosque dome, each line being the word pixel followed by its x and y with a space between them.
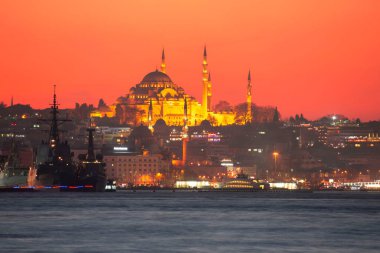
pixel 156 77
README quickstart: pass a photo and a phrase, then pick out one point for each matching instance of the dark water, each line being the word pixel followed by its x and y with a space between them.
pixel 189 222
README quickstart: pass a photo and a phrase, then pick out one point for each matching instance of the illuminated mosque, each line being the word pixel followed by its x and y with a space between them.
pixel 157 97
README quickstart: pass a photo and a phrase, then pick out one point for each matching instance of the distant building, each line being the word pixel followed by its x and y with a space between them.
pixel 341 136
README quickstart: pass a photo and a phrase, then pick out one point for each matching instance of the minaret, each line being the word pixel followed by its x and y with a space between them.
pixel 249 98
pixel 11 101
pixel 185 136
pixel 205 85
pixel 150 116
pixel 209 93
pixel 185 119
pixel 163 64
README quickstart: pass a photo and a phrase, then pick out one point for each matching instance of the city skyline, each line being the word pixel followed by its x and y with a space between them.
pixel 306 57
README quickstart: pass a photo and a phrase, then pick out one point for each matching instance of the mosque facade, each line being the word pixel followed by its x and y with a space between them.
pixel 157 97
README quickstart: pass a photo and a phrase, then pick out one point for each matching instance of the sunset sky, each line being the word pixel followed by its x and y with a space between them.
pixel 316 57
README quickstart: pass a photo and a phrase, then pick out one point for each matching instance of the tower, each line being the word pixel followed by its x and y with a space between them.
pixel 11 101
pixel 163 64
pixel 205 77
pixel 185 137
pixel 150 116
pixel 249 99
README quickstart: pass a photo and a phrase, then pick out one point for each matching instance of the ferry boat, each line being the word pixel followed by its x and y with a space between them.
pixel 243 183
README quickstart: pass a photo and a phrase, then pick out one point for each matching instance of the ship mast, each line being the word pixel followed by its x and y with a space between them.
pixel 54 134
pixel 90 149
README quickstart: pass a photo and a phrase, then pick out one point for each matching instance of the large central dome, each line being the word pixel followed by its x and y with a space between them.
pixel 156 77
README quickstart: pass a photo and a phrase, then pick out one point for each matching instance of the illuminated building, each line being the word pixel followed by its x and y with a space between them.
pixel 192 184
pixel 284 185
pixel 113 135
pixel 370 185
pixel 131 169
pixel 372 140
pixel 341 136
pixel 158 97
pixel 175 135
pixel 206 136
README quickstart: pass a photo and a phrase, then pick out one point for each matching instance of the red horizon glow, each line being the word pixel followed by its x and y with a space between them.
pixel 312 57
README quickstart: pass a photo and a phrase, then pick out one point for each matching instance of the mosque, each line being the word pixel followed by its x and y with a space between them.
pixel 157 97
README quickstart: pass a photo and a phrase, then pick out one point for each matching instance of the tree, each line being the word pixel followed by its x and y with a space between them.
pixel 133 115
pixel 264 113
pixel 101 103
pixel 3 110
pixel 83 110
pixel 222 106
pixel 119 113
pixel 241 117
pixel 276 117
pixel 20 109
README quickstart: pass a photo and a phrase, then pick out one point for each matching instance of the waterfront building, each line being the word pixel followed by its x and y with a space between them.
pixel 135 169
pixel 192 184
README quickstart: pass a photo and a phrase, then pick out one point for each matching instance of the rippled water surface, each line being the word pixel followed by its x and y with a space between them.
pixel 189 222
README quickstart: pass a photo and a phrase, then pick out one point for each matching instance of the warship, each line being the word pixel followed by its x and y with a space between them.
pixel 12 172
pixel 91 168
pixel 54 165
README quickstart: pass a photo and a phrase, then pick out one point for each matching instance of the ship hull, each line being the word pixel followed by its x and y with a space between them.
pixel 46 179
pixel 14 177
pixel 10 181
pixel 93 174
pixel 56 174
pixel 97 184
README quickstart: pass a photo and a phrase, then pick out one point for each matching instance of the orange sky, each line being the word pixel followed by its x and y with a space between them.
pixel 315 57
